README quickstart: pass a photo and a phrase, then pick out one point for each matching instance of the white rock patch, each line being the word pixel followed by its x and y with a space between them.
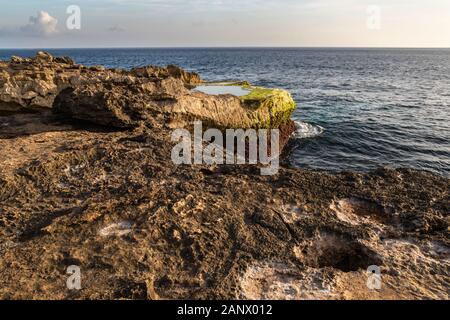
pixel 118 229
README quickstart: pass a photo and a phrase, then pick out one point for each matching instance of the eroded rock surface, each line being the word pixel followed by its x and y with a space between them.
pixel 140 227
pixel 131 102
pixel 145 96
pixel 30 83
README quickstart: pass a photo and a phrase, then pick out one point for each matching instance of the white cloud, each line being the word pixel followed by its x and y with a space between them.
pixel 41 25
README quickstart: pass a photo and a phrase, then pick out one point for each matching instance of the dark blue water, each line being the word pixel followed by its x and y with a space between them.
pixel 358 109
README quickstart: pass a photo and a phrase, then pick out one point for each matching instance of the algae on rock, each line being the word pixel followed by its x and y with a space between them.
pixel 279 104
pixel 264 108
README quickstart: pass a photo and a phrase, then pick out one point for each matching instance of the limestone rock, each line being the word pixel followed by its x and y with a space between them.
pixel 149 96
pixel 191 78
pixel 120 103
pixel 33 83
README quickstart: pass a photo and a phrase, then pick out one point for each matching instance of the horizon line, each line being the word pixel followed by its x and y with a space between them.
pixel 221 47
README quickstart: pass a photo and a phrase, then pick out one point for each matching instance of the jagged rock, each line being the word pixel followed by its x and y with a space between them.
pixel 129 104
pixel 16 59
pixel 42 56
pixel 191 78
pixel 156 98
pixel 33 83
pixel 145 95
pixel 66 60
pixel 122 104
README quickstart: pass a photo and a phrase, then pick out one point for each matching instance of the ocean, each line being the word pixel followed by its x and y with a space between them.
pixel 358 109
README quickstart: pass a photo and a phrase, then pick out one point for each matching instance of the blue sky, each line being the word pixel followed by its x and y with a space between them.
pixel 173 23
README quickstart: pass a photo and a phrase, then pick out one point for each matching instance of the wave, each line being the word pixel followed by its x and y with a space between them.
pixel 306 130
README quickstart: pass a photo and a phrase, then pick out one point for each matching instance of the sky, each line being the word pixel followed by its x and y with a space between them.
pixel 224 23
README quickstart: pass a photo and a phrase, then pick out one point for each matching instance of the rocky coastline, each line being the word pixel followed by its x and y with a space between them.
pixel 86 179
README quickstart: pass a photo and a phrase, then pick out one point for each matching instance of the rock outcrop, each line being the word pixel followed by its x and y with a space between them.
pixel 33 83
pixel 124 103
pixel 190 78
pixel 146 96
pixel 128 102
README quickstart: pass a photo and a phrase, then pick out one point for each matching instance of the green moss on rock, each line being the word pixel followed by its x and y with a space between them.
pixel 262 107
pixel 279 104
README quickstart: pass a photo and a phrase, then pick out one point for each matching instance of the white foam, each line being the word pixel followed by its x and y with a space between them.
pixel 306 130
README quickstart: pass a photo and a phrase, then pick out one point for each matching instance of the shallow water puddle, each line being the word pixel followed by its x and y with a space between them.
pixel 237 91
